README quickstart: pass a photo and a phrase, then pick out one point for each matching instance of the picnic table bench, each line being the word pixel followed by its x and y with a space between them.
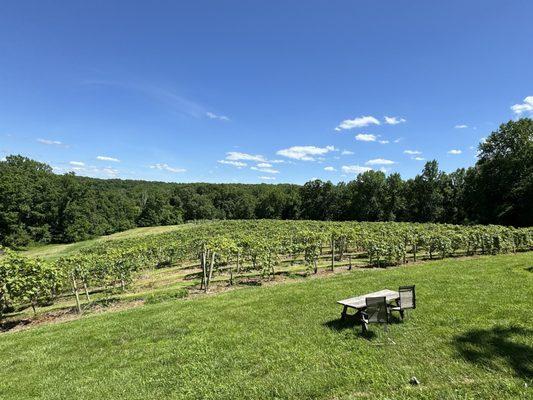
pixel 359 303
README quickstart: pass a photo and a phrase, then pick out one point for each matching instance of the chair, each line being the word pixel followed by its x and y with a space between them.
pixel 376 312
pixel 407 300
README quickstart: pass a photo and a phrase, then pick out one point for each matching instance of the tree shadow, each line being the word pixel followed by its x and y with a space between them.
pixel 497 345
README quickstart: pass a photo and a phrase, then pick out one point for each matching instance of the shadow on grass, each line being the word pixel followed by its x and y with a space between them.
pixel 497 345
pixel 6 326
pixel 351 322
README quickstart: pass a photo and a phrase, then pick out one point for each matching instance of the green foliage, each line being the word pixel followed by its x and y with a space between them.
pixel 26 280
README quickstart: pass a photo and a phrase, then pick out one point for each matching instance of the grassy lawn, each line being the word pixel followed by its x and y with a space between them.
pixel 54 251
pixel 471 336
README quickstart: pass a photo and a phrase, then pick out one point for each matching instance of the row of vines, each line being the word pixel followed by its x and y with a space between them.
pixel 235 248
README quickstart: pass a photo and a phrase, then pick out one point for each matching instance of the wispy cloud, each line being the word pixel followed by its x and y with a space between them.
pixel 237 156
pixel 525 107
pixel 166 167
pixel 412 152
pixel 87 170
pixel 330 169
pixel 383 141
pixel 347 152
pixel 454 151
pixel 238 164
pixel 49 142
pixel 167 97
pixel 380 161
pixel 305 153
pixel 266 170
pixel 211 115
pixel 398 140
pixel 267 178
pixel 365 137
pixel 357 123
pixel 461 126
pixel 112 172
pixel 394 120
pixel 264 165
pixel 355 169
pixel 106 158
pixel 418 158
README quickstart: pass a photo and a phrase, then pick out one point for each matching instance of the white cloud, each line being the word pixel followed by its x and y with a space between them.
pixel 106 158
pixel 380 161
pixel 394 120
pixel 412 152
pixel 166 167
pixel 383 141
pixel 355 169
pixel 238 164
pixel 277 161
pixel 77 163
pixel 112 172
pixel 461 126
pixel 418 158
pixel 215 116
pixel 347 153
pixel 454 151
pixel 237 156
pixel 50 142
pixel 267 178
pixel 305 153
pixel 365 137
pixel 357 123
pixel 398 140
pixel 264 165
pixel 331 169
pixel 525 107
pixel 483 139
pixel 267 170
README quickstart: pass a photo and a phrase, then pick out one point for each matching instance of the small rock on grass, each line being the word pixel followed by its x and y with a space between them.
pixel 414 381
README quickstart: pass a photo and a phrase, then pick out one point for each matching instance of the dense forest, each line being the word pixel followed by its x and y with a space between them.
pixel 37 205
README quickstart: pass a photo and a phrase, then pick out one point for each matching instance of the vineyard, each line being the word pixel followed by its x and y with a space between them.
pixel 232 252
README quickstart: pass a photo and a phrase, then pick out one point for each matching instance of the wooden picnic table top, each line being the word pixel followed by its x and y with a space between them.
pixel 360 301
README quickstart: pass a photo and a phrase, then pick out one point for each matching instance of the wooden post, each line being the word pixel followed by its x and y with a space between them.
pixel 86 291
pixel 203 284
pixel 212 264
pixel 315 265
pixel 230 274
pixel 238 262
pixel 75 289
pixel 350 262
pixel 332 253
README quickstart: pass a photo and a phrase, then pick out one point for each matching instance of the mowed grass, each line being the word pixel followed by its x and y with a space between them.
pixel 54 251
pixel 470 337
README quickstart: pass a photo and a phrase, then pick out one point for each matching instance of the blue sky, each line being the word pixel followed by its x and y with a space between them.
pixel 255 91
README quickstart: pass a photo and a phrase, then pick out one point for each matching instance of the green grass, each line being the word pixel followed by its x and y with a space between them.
pixel 54 251
pixel 471 337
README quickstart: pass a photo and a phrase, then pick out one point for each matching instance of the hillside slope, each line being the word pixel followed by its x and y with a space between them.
pixel 471 336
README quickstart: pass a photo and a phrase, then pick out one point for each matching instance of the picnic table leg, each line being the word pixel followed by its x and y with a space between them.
pixel 344 313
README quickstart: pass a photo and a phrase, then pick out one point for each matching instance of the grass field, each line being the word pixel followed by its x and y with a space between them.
pixel 54 251
pixel 470 337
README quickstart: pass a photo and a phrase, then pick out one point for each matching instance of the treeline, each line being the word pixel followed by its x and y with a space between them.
pixel 37 205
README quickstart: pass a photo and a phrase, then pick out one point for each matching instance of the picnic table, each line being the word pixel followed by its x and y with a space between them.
pixel 359 303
